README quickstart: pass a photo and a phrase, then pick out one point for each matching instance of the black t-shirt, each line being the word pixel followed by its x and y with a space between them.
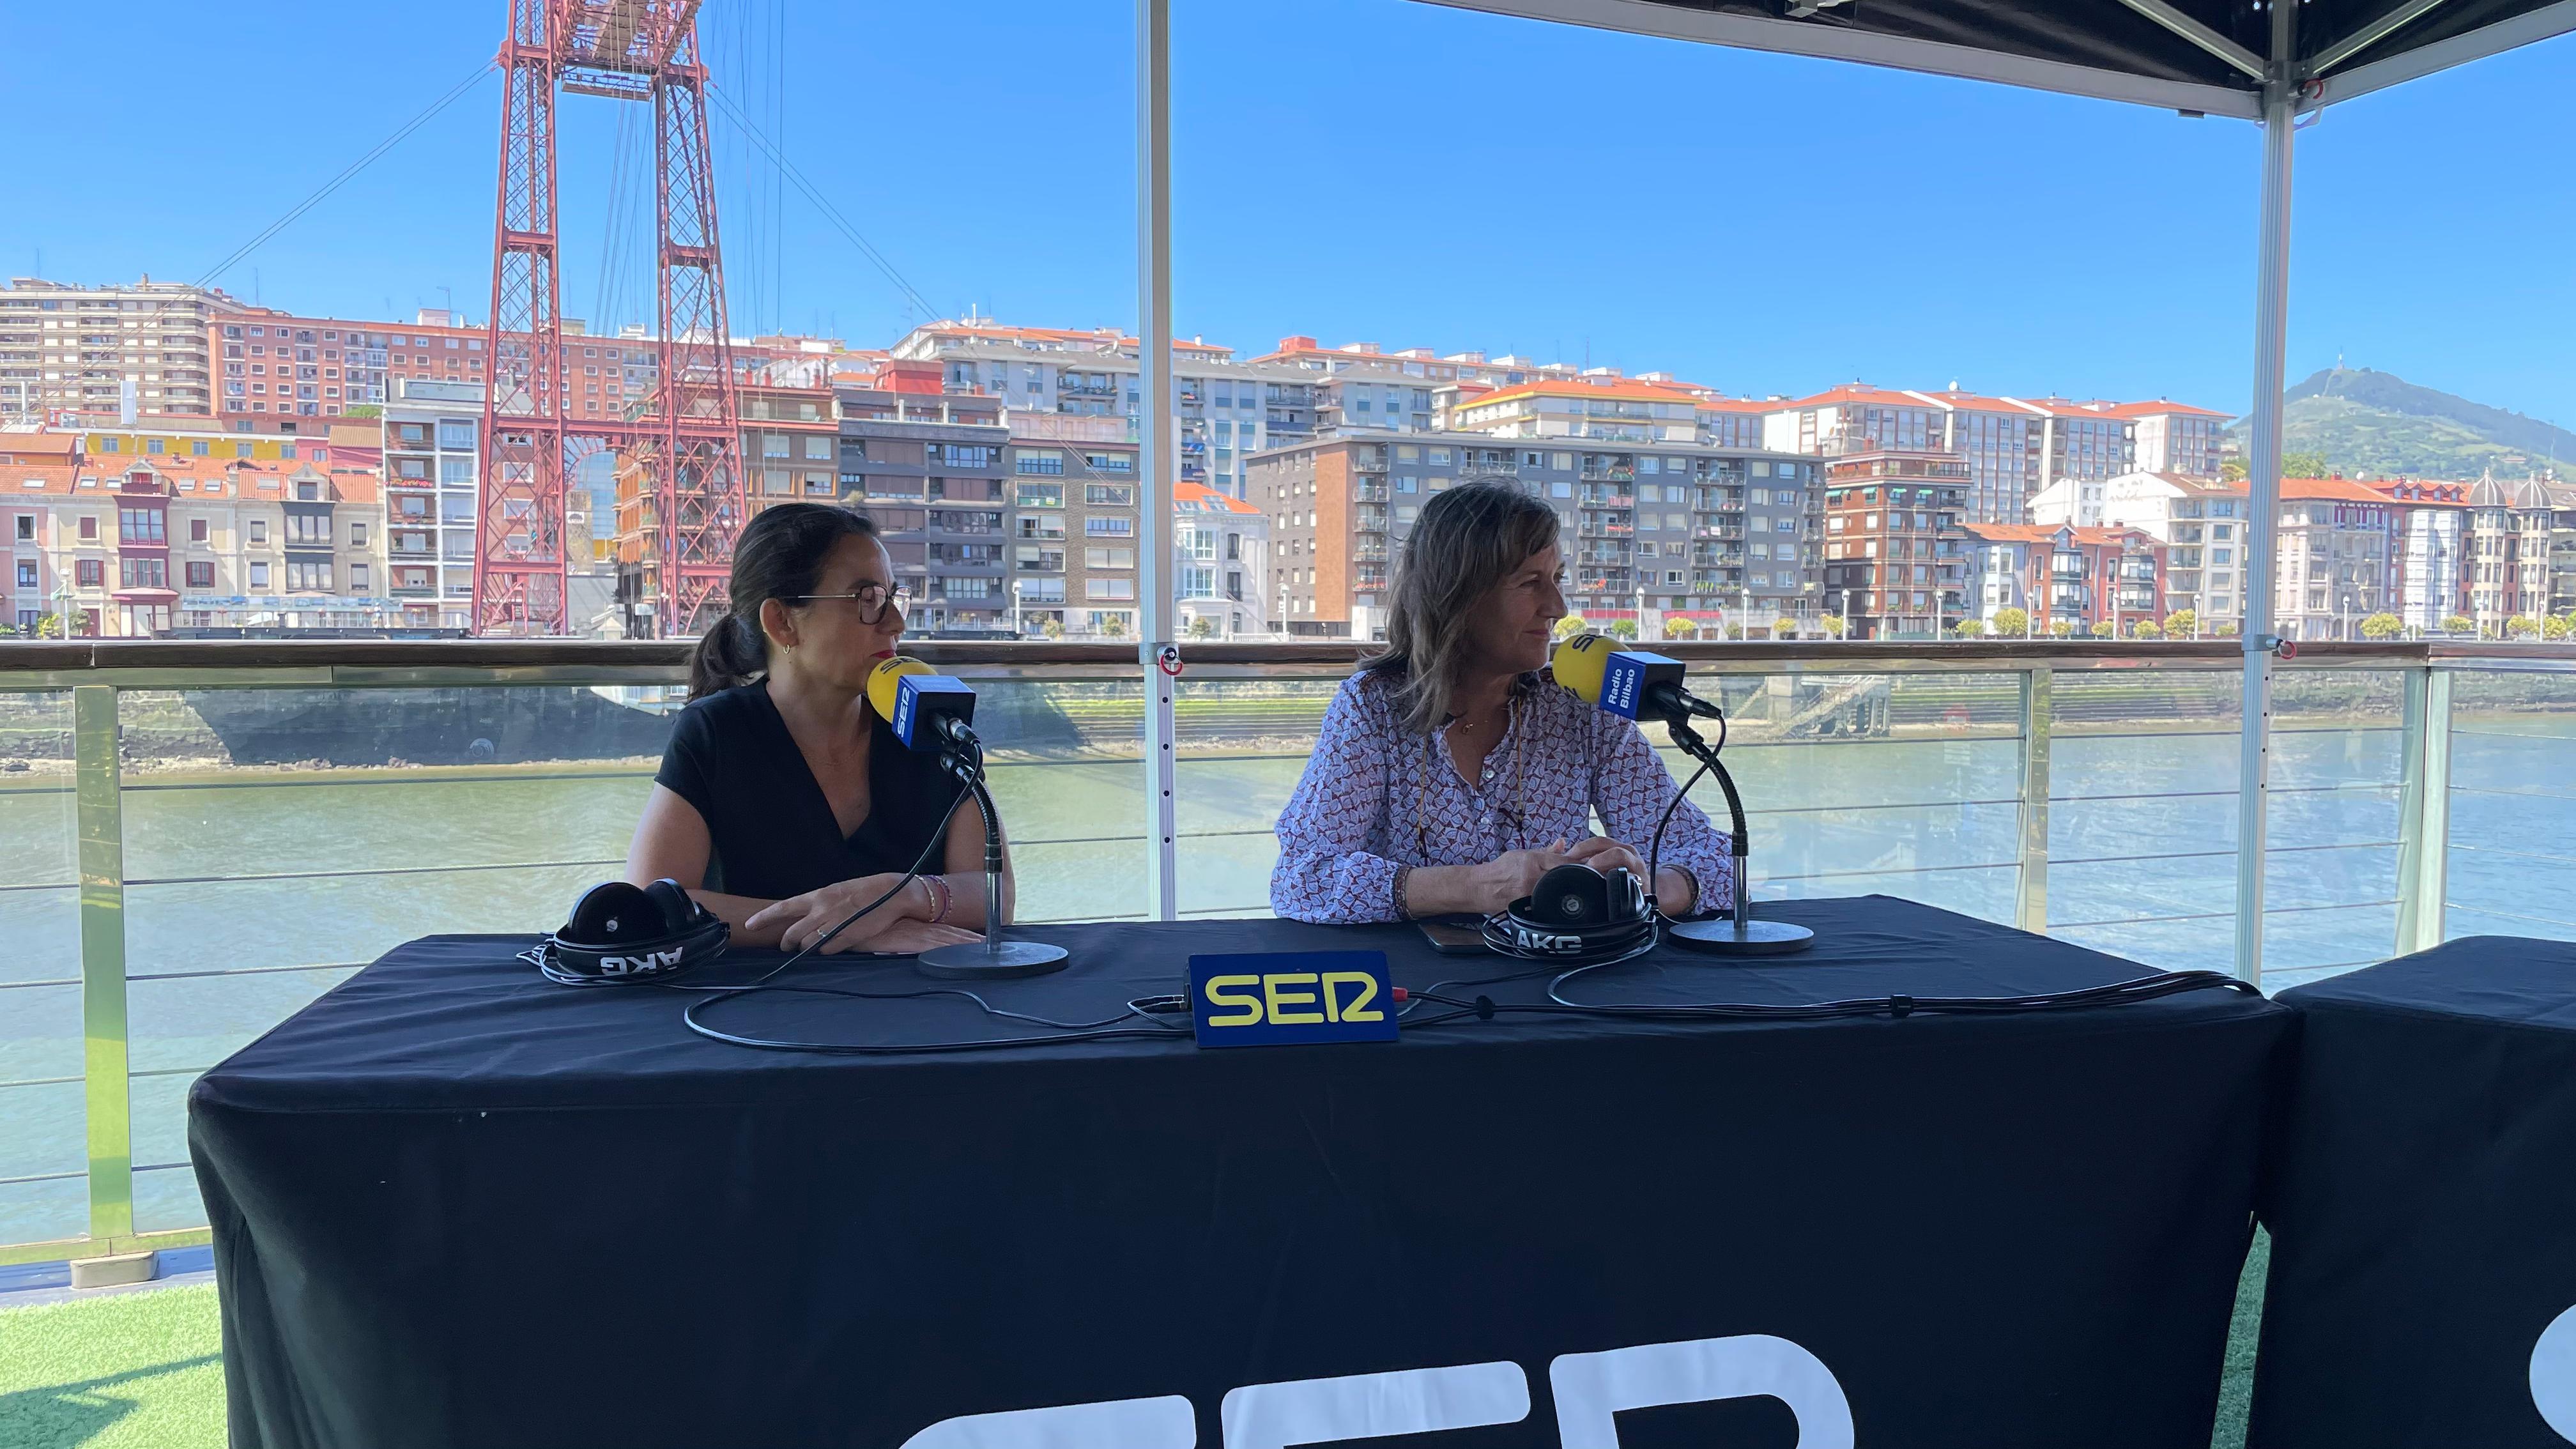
pixel 772 830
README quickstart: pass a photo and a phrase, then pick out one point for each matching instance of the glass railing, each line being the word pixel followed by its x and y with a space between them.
pixel 196 840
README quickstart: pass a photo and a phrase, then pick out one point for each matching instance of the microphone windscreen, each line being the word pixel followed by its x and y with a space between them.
pixel 886 679
pixel 1579 661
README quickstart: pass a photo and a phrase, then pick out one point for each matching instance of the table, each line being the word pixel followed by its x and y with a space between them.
pixel 454 1204
pixel 2423 1207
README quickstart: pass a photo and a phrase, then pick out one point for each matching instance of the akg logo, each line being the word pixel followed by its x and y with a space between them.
pixel 1591 1390
pixel 629 965
pixel 2553 1375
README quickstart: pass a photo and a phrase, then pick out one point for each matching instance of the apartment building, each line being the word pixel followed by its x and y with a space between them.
pixel 2428 552
pixel 1602 410
pixel 1226 409
pixel 2061 573
pixel 282 373
pixel 2171 437
pixel 1669 527
pixel 1894 561
pixel 127 544
pixel 1218 545
pixel 2017 448
pixel 2201 520
pixel 69 350
pixel 431 436
pixel 936 488
pixel 1074 526
pixel 2002 442
pixel 2334 540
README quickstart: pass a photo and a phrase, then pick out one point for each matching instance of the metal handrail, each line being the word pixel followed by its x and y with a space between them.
pixel 362 657
pixel 97 673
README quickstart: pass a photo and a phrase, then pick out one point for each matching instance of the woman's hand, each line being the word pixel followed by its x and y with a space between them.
pixel 1674 892
pixel 1512 875
pixel 811 914
pixel 911 938
pixel 1606 855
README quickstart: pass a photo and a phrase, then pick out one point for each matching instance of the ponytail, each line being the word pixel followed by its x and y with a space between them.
pixel 779 556
pixel 735 652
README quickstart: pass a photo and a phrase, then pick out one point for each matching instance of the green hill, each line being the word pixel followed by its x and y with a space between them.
pixel 2377 424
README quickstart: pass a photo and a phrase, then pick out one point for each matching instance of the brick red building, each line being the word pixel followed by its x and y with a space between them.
pixel 2060 572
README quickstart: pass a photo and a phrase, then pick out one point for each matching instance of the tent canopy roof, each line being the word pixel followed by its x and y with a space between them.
pixel 2193 55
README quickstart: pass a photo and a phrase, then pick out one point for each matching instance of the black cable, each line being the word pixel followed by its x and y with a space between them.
pixel 1655 851
pixel 969 759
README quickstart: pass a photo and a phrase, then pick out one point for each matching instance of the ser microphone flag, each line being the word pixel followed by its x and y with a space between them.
pixel 928 710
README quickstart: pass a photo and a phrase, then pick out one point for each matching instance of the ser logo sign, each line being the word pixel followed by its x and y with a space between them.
pixel 1300 996
pixel 1591 1390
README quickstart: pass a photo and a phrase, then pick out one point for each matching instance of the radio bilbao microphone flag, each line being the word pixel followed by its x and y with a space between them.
pixel 1634 684
pixel 1629 683
pixel 929 710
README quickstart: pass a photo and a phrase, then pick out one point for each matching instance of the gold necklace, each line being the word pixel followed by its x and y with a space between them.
pixel 1431 761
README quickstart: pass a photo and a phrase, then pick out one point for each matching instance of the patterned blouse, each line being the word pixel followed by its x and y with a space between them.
pixel 1376 797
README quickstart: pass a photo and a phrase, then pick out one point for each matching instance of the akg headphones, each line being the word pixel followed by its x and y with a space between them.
pixel 621 932
pixel 1576 914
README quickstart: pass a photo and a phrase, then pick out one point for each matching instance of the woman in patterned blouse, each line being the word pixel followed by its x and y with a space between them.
pixel 1451 772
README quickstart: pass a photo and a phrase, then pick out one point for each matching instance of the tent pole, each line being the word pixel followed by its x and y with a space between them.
pixel 1157 439
pixel 2263 476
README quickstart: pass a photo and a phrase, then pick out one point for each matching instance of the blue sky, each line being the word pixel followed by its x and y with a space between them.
pixel 1362 170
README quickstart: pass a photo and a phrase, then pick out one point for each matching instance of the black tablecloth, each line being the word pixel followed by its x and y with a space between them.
pixel 2423 1211
pixel 455 1205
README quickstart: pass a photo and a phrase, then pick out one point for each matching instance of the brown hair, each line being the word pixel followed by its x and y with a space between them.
pixel 780 556
pixel 1468 540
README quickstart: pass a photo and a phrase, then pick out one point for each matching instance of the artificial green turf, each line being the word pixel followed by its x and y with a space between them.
pixel 2236 1382
pixel 126 1371
pixel 145 1369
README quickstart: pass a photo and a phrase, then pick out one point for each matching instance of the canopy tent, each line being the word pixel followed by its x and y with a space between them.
pixel 2253 59
pixel 2193 55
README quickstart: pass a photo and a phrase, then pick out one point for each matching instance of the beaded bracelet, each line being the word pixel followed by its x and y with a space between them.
pixel 941 898
pixel 1403 907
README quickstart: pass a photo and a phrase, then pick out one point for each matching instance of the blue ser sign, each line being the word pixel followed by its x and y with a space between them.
pixel 1281 998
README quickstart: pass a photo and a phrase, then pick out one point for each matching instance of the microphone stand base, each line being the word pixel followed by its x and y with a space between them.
pixel 991 960
pixel 1740 938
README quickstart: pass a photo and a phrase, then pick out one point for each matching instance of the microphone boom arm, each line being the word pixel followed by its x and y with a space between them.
pixel 1740 934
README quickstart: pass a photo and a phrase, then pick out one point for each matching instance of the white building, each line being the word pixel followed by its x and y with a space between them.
pixel 433 455
pixel 2200 520
pixel 1220 547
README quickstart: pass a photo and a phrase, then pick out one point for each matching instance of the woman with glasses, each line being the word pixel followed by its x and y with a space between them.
pixel 783 802
pixel 1451 772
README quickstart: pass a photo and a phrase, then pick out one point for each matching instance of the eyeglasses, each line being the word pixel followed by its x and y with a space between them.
pixel 872 600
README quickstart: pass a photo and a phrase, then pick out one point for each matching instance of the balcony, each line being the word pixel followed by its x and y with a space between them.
pixel 1367 519
pixel 1367 492
pixel 1370 550
pixel 1368 460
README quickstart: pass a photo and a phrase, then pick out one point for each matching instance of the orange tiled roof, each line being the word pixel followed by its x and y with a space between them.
pixel 1623 391
pixel 2047 533
pixel 2339 489
pixel 1209 500
pixel 2158 408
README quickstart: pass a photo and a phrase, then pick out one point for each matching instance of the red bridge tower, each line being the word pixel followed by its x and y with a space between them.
pixel 687 437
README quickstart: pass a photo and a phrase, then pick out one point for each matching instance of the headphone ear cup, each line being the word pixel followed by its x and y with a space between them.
pixel 672 904
pixel 1571 895
pixel 610 912
pixel 1627 897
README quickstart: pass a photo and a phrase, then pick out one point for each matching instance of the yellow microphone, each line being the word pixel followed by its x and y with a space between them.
pixel 1579 662
pixel 885 681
